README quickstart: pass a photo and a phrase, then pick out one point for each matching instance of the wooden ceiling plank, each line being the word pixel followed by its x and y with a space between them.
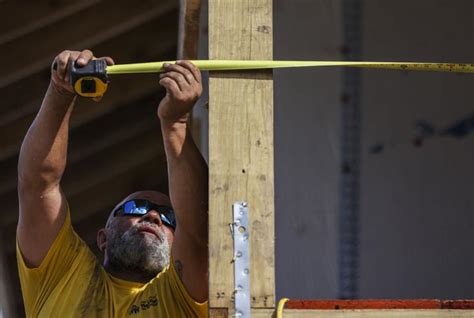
pixel 19 18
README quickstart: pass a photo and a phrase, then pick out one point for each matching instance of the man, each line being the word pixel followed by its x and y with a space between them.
pixel 155 257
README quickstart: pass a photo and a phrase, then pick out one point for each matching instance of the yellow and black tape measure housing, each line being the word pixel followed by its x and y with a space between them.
pixel 90 80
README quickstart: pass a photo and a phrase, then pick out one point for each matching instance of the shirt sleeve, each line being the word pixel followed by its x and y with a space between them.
pixel 38 283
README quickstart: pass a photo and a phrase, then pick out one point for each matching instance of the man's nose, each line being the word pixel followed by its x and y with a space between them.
pixel 153 217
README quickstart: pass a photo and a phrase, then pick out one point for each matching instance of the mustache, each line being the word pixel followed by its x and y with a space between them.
pixel 145 225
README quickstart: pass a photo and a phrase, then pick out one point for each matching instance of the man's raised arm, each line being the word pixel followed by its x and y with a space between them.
pixel 43 206
pixel 188 177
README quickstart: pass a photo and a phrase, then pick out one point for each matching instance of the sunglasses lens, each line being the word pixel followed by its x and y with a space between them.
pixel 142 207
pixel 165 218
pixel 135 208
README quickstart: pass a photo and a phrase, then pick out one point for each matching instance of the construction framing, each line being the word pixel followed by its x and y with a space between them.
pixel 241 150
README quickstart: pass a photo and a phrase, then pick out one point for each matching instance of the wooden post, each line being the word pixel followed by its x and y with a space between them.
pixel 188 43
pixel 188 36
pixel 241 150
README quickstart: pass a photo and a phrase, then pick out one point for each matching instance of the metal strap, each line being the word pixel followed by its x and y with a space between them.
pixel 241 260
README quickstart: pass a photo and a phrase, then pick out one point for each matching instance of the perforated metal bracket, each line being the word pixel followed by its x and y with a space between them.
pixel 240 235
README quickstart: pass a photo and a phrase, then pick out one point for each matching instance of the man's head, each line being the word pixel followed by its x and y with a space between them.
pixel 138 235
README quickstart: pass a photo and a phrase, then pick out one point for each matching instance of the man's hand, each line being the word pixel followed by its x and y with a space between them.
pixel 60 79
pixel 182 82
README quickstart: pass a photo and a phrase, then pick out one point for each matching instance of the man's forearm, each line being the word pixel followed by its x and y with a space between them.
pixel 188 177
pixel 44 150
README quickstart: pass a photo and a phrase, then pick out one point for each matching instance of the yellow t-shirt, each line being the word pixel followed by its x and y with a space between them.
pixel 70 282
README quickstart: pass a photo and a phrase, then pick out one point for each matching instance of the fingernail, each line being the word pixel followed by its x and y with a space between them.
pixel 81 61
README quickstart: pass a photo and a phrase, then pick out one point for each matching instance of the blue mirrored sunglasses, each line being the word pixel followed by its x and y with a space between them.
pixel 140 207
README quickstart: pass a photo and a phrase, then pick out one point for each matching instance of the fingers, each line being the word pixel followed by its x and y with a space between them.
pixel 191 68
pixel 61 63
pixel 183 76
pixel 178 80
pixel 171 86
pixel 109 60
pixel 188 70
pixel 180 75
pixel 83 58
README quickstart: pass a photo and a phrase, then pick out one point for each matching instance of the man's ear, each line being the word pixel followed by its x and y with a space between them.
pixel 101 240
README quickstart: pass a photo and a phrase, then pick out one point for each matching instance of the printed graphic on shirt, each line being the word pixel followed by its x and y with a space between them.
pixel 152 301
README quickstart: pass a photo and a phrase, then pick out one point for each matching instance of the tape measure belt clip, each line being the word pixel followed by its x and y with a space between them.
pixel 90 80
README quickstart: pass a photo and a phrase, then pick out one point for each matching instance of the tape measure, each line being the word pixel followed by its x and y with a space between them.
pixel 92 79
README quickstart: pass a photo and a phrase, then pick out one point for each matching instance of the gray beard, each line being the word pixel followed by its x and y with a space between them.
pixel 132 252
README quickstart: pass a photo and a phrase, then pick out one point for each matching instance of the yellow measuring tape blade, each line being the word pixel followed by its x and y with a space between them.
pixel 228 65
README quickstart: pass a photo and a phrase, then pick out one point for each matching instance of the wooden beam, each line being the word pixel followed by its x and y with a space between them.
pixel 377 313
pixel 18 18
pixel 241 148
pixel 188 40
